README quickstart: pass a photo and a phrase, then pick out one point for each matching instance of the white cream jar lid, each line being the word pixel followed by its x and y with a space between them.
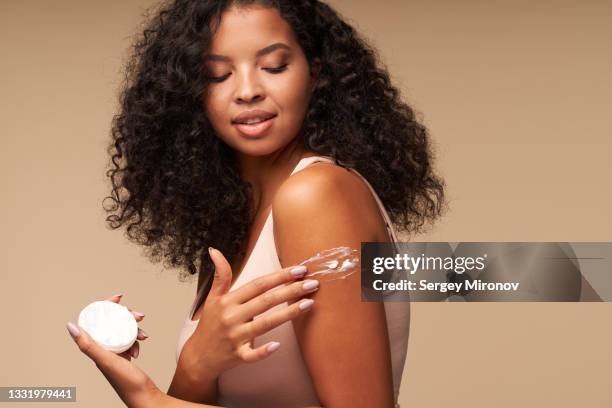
pixel 110 324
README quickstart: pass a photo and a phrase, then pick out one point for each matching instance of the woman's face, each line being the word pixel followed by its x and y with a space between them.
pixel 259 81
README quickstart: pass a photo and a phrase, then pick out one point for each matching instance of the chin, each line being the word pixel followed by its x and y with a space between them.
pixel 257 148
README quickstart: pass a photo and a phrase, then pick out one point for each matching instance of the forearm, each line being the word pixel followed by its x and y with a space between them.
pixel 166 401
pixel 187 388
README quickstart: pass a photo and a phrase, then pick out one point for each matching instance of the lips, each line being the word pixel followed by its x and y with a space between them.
pixel 253 116
pixel 256 129
pixel 254 123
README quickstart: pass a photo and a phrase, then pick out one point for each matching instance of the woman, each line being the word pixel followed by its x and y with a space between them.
pixel 227 107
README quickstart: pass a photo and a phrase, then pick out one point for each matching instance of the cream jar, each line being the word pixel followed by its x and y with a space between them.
pixel 110 324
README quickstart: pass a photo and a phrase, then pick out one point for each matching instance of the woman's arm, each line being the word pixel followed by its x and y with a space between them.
pixel 184 387
pixel 344 342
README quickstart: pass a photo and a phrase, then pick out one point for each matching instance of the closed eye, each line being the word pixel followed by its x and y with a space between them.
pixel 276 70
pixel 218 79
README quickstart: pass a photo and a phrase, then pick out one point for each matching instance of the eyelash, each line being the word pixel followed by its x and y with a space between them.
pixel 275 70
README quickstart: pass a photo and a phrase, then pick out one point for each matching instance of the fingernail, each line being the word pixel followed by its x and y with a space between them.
pixel 210 250
pixel 310 284
pixel 135 352
pixel 139 314
pixel 143 332
pixel 305 304
pixel 73 329
pixel 273 346
pixel 118 295
pixel 298 271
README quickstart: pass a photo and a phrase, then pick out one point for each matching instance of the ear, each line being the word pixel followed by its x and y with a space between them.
pixel 315 69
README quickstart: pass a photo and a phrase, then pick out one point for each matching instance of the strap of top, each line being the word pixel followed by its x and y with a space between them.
pixel 306 161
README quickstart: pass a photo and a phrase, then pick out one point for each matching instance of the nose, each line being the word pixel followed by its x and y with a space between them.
pixel 248 88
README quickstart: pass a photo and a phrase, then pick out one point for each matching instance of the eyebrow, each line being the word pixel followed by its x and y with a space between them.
pixel 266 50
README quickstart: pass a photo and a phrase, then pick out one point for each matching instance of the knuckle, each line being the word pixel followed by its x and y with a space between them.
pixel 267 299
pixel 295 310
pixel 234 337
pixel 251 330
pixel 84 346
pixel 297 289
pixel 266 323
pixel 225 319
pixel 259 283
pixel 223 302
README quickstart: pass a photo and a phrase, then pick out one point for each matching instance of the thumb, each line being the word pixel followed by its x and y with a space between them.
pixel 129 381
pixel 88 345
pixel 223 273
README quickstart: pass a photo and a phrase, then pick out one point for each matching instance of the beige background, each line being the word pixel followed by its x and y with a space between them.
pixel 517 95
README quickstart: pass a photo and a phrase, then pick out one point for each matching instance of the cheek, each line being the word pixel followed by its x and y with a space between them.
pixel 293 94
pixel 213 107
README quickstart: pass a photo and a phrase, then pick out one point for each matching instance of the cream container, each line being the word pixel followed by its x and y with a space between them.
pixel 110 324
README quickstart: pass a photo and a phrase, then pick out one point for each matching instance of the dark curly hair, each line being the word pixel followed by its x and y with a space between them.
pixel 176 186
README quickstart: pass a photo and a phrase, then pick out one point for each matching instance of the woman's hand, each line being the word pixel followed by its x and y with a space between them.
pixel 132 385
pixel 226 328
pixel 133 351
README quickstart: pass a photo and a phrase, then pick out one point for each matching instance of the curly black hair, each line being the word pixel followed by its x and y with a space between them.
pixel 176 185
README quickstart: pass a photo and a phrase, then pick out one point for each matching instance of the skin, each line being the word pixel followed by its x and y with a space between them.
pixel 313 210
pixel 250 82
pixel 342 338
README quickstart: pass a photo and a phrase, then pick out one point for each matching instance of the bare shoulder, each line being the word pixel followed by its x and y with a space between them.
pixel 328 193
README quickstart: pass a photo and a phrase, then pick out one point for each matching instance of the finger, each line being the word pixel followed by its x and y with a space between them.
pixel 115 298
pixel 250 355
pixel 223 273
pixel 264 324
pixel 141 334
pixel 102 357
pixel 137 315
pixel 275 297
pixel 126 378
pixel 135 349
pixel 267 282
pixel 126 354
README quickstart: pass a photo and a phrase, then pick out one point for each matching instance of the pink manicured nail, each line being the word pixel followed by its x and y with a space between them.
pixel 305 304
pixel 310 284
pixel 119 295
pixel 273 346
pixel 135 352
pixel 139 314
pixel 298 271
pixel 73 329
pixel 143 333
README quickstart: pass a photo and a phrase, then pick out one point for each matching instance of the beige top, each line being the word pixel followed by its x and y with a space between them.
pixel 282 379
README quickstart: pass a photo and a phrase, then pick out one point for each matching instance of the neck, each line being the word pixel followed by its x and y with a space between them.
pixel 266 173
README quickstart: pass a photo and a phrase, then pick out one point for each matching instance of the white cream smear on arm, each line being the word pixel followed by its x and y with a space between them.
pixel 332 264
